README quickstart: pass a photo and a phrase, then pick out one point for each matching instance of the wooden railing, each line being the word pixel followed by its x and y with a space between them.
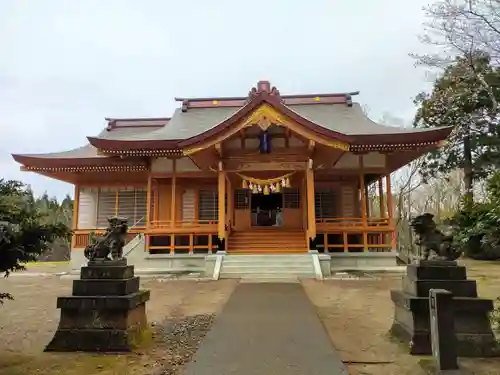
pixel 182 225
pixel 81 238
pixel 182 243
pixel 181 237
pixel 354 234
pixel 342 222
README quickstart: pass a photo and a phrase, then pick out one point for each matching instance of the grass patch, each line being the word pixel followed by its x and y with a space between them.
pixel 67 364
pixel 35 264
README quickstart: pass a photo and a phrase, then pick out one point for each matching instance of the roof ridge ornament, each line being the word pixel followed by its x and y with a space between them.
pixel 264 87
pixel 348 98
pixel 185 105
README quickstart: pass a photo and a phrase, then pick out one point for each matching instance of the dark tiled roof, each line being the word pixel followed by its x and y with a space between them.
pixel 88 151
pixel 195 121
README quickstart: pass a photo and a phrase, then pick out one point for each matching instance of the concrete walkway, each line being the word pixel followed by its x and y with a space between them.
pixel 267 329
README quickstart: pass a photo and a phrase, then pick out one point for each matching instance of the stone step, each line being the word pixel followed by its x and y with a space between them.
pixel 271 258
pixel 266 251
pixel 263 258
pixel 263 278
pixel 274 266
pixel 269 249
pixel 271 270
pixel 263 263
pixel 264 275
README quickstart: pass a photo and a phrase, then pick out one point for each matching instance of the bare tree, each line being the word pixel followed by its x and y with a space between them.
pixel 462 28
pixel 406 182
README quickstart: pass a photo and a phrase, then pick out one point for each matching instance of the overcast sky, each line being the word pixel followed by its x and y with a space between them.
pixel 65 65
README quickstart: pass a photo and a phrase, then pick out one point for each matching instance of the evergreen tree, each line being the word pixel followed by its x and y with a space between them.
pixel 25 232
pixel 461 100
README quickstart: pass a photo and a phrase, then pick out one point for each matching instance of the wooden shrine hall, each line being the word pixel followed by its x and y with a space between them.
pixel 263 173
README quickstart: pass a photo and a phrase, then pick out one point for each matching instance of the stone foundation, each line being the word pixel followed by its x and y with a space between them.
pixel 411 316
pixel 106 312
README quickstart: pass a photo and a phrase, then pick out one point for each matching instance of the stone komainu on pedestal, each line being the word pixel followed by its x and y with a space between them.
pixel 411 316
pixel 107 311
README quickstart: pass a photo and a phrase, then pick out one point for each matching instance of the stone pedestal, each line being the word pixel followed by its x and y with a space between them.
pixel 106 313
pixel 411 318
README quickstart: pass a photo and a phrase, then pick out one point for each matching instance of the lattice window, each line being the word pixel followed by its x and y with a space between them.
pixel 188 206
pixel 325 203
pixel 291 197
pixel 132 203
pixel 106 206
pixel 141 207
pixel 241 199
pixel 87 208
pixel 208 207
pixel 129 202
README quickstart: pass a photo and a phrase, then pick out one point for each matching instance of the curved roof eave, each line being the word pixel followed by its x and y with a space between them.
pixel 51 160
pixel 427 135
pixel 114 144
pixel 253 104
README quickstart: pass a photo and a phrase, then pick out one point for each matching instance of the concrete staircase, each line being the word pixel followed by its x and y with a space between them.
pixel 267 240
pixel 269 267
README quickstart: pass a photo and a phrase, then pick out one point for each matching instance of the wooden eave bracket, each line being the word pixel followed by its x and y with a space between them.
pixel 311 146
pixel 218 148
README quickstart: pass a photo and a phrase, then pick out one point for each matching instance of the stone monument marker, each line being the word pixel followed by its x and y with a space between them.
pixel 107 311
pixel 443 339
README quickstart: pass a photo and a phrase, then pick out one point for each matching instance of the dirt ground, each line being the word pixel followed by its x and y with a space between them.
pixel 358 315
pixel 28 323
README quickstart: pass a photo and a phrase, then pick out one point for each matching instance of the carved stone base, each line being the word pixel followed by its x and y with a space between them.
pixel 106 313
pixel 411 316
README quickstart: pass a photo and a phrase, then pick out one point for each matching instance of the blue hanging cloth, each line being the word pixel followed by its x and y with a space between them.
pixel 264 144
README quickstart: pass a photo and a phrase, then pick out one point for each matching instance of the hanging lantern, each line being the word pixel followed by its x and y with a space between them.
pixel 259 188
pixel 272 188
pixel 251 186
pixel 278 187
pixel 283 183
pixel 245 184
pixel 255 190
pixel 266 190
pixel 287 182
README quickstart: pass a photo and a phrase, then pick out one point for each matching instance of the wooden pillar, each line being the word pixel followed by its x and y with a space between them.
pixel 76 207
pixel 197 204
pixel 369 209
pixel 311 214
pixel 390 210
pixel 174 193
pixel 230 203
pixel 117 200
pixel 381 198
pixel 156 206
pixel 363 202
pixel 148 201
pixel 221 185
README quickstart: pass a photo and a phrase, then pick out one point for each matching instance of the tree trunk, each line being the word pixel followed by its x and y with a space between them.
pixel 468 172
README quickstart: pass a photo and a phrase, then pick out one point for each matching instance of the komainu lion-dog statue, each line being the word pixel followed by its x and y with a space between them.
pixel 434 244
pixel 109 246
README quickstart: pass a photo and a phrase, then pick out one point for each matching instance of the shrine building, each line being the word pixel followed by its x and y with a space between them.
pixel 263 174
